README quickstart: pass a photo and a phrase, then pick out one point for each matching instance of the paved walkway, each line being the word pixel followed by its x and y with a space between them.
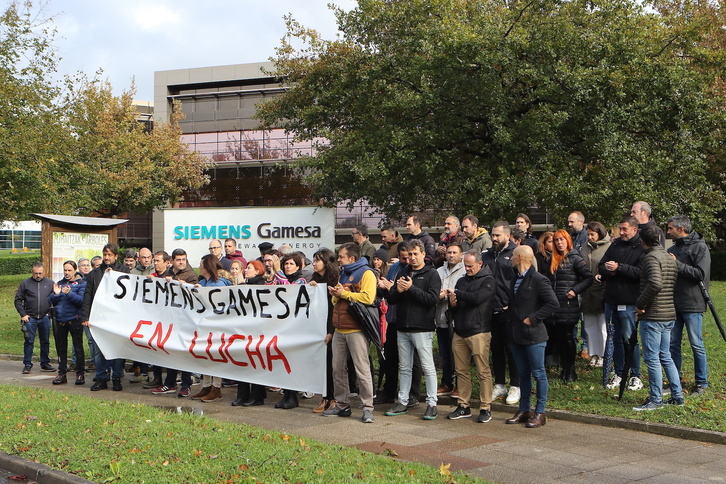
pixel 562 451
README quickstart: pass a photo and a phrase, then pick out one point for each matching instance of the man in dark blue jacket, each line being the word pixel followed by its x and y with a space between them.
pixel 469 303
pixel 694 267
pixel 531 301
pixel 416 293
pixel 31 302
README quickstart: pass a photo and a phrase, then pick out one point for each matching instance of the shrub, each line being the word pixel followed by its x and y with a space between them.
pixel 17 264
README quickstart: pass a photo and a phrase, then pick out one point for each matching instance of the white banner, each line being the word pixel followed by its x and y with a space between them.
pixel 270 335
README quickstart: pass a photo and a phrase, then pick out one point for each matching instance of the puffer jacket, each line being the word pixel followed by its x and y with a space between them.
pixel 693 260
pixel 657 282
pixel 622 287
pixel 592 298
pixel 472 314
pixel 416 308
pixel 68 306
pixel 572 274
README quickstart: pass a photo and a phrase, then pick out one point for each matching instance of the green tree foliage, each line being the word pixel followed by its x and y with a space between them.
pixel 74 148
pixel 493 106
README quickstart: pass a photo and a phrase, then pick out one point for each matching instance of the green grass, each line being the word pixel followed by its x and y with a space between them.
pixel 121 442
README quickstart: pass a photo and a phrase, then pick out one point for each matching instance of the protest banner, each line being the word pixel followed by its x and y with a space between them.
pixel 270 335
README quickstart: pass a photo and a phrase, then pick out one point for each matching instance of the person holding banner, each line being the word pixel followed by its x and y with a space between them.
pixel 103 366
pixel 326 272
pixel 211 275
pixel 67 297
pixel 357 283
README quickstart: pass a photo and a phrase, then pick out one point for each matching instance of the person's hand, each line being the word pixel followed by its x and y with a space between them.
pixel 452 299
pixel 87 324
pixel 276 263
pixel 598 278
pixel 442 250
pixel 672 255
pixel 66 289
pixel 385 283
pixel 404 284
pixel 313 283
pixel 25 318
pixel 442 294
pixel 611 266
pixel 570 294
pixel 56 288
pixel 527 321
pixel 336 291
pixel 328 338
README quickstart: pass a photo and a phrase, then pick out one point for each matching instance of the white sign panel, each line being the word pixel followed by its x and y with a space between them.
pixel 306 229
pixel 73 246
pixel 269 335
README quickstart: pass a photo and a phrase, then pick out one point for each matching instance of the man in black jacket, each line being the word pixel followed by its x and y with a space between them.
pixel 499 260
pixel 416 293
pixel 694 267
pixel 31 302
pixel 413 225
pixel 531 301
pixel 103 366
pixel 472 334
pixel 620 269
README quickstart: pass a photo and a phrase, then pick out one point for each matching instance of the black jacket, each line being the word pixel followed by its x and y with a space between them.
pixel 500 263
pixel 416 308
pixel 694 265
pixel 428 242
pixel 472 314
pixel 572 274
pixel 31 298
pixel 623 286
pixel 93 280
pixel 535 300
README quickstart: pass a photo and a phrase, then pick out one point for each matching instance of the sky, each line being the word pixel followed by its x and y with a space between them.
pixel 133 38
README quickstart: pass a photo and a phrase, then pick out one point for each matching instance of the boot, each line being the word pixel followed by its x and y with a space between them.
pixel 214 395
pixel 243 394
pixel 202 393
pixel 291 401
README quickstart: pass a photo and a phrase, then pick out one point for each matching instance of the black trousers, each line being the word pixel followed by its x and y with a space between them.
pixel 75 329
pixel 501 351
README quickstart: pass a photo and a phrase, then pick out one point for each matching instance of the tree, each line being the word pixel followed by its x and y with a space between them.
pixel 74 148
pixel 493 106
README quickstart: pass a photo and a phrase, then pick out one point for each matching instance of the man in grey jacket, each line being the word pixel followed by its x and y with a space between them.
pixel 693 260
pixel 657 313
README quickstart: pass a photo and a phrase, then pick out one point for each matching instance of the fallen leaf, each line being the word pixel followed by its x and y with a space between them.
pixel 412 472
pixel 444 469
pixel 244 467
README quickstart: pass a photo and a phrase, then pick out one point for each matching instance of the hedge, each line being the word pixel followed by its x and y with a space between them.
pixel 18 264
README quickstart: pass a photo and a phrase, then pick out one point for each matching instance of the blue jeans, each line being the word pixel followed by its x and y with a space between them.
pixel 423 344
pixel 531 363
pixel 42 328
pixel 103 366
pixel 624 323
pixel 656 337
pixel 694 324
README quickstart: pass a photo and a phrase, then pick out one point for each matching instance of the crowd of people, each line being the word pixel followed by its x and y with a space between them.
pixel 510 303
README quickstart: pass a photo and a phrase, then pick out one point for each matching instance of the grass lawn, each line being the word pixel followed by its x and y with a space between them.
pixel 121 442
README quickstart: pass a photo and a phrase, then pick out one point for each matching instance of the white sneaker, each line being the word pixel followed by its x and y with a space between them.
pixel 613 382
pixel 513 396
pixel 634 383
pixel 498 391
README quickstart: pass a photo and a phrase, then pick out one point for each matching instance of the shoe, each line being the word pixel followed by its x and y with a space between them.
pixel 677 401
pixel 202 393
pixel 634 383
pixel 382 398
pixel 613 382
pixel 163 389
pixel 431 413
pixel 520 417
pixel 585 355
pixel 229 383
pixel 455 392
pixel 498 391
pixel 137 379
pixel 154 383
pixel 253 403
pixel 80 379
pixel 213 395
pixel 184 393
pixel 99 385
pixel 26 369
pixel 60 380
pixel 538 420
pixel 367 417
pixel 289 400
pixel 513 396
pixel 594 360
pixel 397 409
pixel 648 405
pixel 699 390
pixel 337 412
pixel 71 367
pixel 443 390
pixel 412 402
pixel 116 385
pixel 459 412
pixel 307 394
pixel 484 416
pixel 46 367
pixel 322 406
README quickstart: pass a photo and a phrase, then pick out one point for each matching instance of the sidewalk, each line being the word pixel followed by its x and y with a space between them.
pixel 563 451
